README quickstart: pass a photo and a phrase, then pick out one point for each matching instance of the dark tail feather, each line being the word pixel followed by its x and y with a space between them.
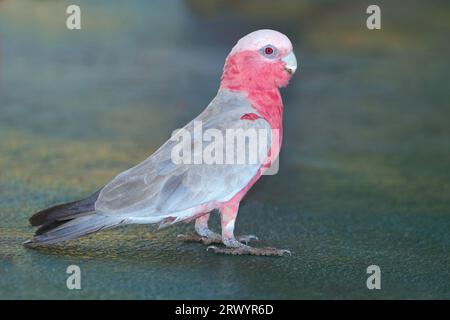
pixel 75 228
pixel 64 212
pixel 68 221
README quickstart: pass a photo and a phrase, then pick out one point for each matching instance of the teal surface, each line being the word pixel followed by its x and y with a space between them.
pixel 365 167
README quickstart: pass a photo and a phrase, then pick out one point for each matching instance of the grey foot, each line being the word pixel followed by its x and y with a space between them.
pixel 214 238
pixel 247 250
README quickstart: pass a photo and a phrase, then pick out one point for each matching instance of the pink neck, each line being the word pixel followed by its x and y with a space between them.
pixel 261 87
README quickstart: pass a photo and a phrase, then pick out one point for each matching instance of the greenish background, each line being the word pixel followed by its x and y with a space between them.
pixel 365 166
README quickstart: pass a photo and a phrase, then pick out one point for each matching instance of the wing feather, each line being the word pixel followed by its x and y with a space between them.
pixel 158 186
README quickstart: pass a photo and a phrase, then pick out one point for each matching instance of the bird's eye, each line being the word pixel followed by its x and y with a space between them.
pixel 269 51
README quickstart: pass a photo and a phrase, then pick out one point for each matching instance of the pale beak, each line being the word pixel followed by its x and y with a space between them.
pixel 291 63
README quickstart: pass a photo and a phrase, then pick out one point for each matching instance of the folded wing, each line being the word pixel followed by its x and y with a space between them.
pixel 158 187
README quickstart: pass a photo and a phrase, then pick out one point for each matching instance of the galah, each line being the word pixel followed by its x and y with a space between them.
pixel 160 191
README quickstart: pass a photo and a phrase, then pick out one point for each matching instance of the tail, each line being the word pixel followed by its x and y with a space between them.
pixel 63 212
pixel 75 228
pixel 69 221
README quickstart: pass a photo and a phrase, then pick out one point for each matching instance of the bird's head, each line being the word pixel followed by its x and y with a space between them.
pixel 262 60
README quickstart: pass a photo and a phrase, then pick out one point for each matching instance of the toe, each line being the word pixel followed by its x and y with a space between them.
pixel 274 252
pixel 212 248
pixel 190 238
pixel 247 238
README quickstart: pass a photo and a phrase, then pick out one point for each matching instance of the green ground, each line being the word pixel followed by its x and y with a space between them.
pixel 365 166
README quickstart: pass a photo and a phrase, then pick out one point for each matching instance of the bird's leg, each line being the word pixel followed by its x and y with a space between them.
pixel 207 236
pixel 204 234
pixel 235 247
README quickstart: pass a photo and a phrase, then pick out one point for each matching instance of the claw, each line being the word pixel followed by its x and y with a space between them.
pixel 189 237
pixel 247 238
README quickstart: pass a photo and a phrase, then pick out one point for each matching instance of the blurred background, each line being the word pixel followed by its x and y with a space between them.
pixel 365 167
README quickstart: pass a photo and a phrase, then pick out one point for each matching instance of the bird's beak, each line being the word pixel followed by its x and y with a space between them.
pixel 290 63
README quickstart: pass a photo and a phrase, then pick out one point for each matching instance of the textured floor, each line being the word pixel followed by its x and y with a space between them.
pixel 365 166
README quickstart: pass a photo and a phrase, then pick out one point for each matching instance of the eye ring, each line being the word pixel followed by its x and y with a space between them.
pixel 268 51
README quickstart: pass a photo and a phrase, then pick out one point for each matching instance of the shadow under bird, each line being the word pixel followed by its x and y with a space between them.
pixel 159 191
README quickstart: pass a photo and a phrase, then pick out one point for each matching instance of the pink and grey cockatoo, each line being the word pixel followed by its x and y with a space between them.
pixel 159 191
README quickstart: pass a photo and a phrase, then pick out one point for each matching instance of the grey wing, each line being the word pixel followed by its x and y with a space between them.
pixel 158 187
